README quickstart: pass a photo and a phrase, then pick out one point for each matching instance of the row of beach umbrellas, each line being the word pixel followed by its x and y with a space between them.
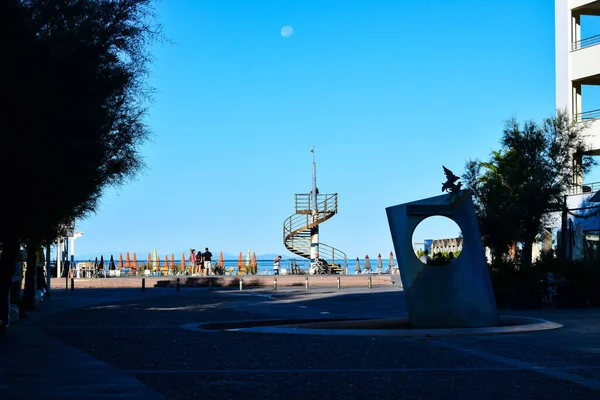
pixel 130 263
pixel 379 263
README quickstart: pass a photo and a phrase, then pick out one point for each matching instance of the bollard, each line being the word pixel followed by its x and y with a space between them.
pixel 177 285
pixel 339 285
pixel 241 283
pixel 370 283
pixel 275 286
pixel 72 284
pixel 143 284
pixel 306 282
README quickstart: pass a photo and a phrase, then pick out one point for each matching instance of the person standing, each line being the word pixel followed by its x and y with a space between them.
pixel 207 255
pixel 276 265
pixel 192 261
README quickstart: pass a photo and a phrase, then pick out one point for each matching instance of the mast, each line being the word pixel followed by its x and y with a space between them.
pixel 314 231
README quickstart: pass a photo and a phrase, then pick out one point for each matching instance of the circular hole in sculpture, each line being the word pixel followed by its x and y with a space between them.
pixel 437 240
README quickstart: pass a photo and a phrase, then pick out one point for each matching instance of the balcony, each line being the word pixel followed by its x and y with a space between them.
pixel 587 42
pixel 584 60
pixel 593 132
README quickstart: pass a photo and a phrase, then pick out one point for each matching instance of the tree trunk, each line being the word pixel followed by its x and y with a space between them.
pixel 30 277
pixel 10 250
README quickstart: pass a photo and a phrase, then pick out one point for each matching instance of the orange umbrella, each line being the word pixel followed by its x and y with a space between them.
pixel 221 262
pixel 149 261
pixel 127 261
pixel 167 262
pixel 183 261
pixel 253 263
pixel 241 268
pixel 120 261
pixel 172 260
pixel 134 264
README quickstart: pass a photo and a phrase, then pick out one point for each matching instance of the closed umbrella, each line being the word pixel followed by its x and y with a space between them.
pixel 112 265
pixel 167 263
pixel 155 260
pixel 134 262
pixel 248 258
pixel 95 265
pixel 183 261
pixel 379 264
pixel 241 269
pixel 391 262
pixel 172 259
pixel 357 266
pixel 221 262
pixel 150 262
pixel 120 261
pixel 127 261
pixel 101 266
pixel 367 264
pixel 253 264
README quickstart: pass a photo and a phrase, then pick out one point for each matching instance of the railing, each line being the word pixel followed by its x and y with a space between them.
pixel 585 188
pixel 296 228
pixel 325 203
pixel 587 115
pixel 587 42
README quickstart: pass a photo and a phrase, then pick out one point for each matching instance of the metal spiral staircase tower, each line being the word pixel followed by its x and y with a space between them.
pixel 301 230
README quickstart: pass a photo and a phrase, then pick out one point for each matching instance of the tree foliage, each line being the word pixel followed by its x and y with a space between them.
pixel 526 180
pixel 74 77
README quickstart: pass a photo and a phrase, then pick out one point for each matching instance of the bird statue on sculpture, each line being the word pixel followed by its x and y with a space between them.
pixel 450 185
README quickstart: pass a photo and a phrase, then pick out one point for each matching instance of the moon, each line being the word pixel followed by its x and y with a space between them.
pixel 287 31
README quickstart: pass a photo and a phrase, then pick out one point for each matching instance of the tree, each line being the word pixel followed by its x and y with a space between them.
pixel 526 180
pixel 76 81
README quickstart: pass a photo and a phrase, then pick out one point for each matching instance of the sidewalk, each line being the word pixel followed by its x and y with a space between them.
pixel 35 366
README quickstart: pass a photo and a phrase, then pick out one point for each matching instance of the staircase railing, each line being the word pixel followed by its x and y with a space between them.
pixel 296 229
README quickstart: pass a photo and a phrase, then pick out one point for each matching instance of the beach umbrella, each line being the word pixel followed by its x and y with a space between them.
pixel 183 261
pixel 112 265
pixel 127 261
pixel 172 259
pixel 167 261
pixel 120 261
pixel 391 262
pixel 150 262
pixel 155 260
pixel 367 263
pixel 241 268
pixel 379 263
pixel 101 266
pixel 95 264
pixel 134 264
pixel 357 267
pixel 221 262
pixel 253 264
pixel 248 258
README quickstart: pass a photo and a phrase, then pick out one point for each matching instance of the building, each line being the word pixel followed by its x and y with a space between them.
pixel 577 72
pixel 577 67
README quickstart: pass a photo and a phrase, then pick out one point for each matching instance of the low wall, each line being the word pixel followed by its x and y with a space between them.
pixel 227 281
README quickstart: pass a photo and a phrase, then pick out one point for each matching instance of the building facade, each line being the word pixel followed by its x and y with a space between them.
pixel 578 68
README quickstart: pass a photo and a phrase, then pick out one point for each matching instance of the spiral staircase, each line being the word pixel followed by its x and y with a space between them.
pixel 296 230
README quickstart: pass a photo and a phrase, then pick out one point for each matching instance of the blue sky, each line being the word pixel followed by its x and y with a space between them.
pixel 387 92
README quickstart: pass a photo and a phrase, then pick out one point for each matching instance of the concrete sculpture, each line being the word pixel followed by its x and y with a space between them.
pixel 458 294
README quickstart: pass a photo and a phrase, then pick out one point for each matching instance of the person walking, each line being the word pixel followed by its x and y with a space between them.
pixel 207 255
pixel 276 265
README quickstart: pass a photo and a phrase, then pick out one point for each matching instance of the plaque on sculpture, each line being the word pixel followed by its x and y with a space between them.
pixel 458 294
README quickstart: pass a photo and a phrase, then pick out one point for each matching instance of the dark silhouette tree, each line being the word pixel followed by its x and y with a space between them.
pixel 75 78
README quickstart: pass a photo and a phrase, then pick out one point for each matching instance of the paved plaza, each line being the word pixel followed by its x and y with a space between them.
pixel 100 343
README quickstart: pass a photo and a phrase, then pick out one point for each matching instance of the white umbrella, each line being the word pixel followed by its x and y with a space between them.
pixel 357 267
pixel 367 264
pixel 391 263
pixel 379 264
